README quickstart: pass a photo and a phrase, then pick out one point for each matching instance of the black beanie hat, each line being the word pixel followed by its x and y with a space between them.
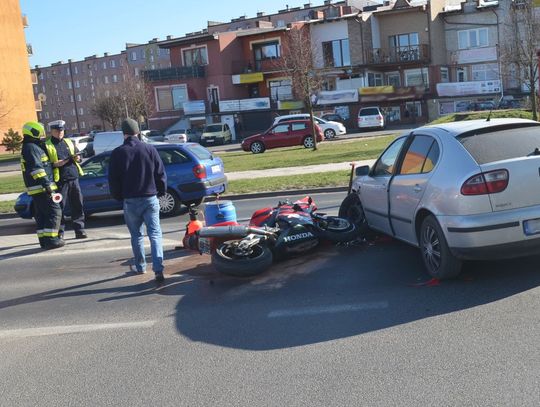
pixel 130 126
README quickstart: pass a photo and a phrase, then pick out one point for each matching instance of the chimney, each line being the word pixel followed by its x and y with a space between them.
pixel 105 54
pixel 260 14
pixel 307 5
pixel 327 2
pixel 169 37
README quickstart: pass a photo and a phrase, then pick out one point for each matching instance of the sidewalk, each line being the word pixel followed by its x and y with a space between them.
pixel 274 172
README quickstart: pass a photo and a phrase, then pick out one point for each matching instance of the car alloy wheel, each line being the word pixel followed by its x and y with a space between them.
pixel 308 142
pixel 168 204
pixel 257 147
pixel 329 133
pixel 431 248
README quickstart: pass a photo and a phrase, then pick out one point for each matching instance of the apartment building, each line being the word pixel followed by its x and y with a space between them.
pixel 17 104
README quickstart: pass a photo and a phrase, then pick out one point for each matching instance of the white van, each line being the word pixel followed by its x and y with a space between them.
pixel 107 140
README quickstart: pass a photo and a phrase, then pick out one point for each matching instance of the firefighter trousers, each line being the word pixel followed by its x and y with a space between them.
pixel 47 215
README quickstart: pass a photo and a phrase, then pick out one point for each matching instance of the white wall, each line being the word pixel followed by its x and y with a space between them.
pixel 326 32
pixel 375 32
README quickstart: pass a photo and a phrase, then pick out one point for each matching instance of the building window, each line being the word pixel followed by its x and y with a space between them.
pixel 404 47
pixel 46 115
pixel 136 71
pixel 268 50
pixel 115 78
pixel 281 89
pixel 133 55
pixel 79 98
pixel 68 72
pixel 69 85
pixel 73 112
pixel 71 98
pixel 83 125
pixel 461 75
pixel 414 108
pixel 485 72
pixel 336 53
pixel 85 83
pixel 77 84
pixel 81 111
pixel 375 79
pixel 171 97
pixel 474 38
pixel 151 58
pixel 112 63
pixel 90 73
pixel 76 70
pixel 445 77
pixel 195 56
pixel 416 77
pixel 393 79
pixel 41 75
pixel 106 79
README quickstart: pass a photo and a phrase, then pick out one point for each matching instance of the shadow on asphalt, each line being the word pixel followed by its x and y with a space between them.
pixel 294 303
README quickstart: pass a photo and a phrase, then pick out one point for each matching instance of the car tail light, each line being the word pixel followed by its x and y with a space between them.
pixel 200 171
pixel 486 183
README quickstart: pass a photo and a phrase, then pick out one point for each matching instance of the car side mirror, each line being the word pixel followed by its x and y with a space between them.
pixel 361 171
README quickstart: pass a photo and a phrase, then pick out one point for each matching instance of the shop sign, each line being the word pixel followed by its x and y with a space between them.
pixel 468 88
pixel 244 104
pixel 329 97
pixel 247 78
pixel 194 107
pixel 470 56
pixel 376 90
pixel 290 104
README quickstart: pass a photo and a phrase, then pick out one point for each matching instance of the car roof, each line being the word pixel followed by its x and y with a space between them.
pixel 457 128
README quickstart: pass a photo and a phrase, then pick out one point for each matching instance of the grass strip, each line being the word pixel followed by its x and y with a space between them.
pixel 7 206
pixel 287 182
pixel 5 158
pixel 11 184
pixel 496 114
pixel 328 152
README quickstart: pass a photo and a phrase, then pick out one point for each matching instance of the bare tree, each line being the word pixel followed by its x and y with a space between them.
pixel 298 60
pixel 519 53
pixel 108 108
pixel 136 96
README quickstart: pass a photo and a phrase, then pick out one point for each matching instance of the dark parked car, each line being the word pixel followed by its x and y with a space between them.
pixel 286 134
pixel 192 174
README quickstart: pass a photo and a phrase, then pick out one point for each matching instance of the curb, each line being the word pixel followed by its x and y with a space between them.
pixel 239 197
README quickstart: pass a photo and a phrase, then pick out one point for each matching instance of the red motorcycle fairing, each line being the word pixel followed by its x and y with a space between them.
pixel 269 216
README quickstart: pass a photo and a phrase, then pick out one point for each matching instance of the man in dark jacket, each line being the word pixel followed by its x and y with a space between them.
pixel 38 179
pixel 136 176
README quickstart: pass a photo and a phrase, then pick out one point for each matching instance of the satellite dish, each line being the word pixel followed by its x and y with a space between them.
pixel 42 97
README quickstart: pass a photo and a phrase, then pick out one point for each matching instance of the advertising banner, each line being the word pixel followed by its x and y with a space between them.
pixel 237 105
pixel 194 107
pixel 468 88
pixel 337 96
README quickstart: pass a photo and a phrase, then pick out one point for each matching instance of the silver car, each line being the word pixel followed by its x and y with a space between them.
pixel 458 191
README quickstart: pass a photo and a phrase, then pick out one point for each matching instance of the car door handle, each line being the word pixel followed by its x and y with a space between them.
pixel 417 188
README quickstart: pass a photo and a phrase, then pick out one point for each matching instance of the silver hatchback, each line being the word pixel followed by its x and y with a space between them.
pixel 458 191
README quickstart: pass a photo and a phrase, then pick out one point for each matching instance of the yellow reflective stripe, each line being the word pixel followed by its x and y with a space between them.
pixel 50 234
pixel 53 155
pixel 40 175
pixel 37 189
pixel 44 158
pixel 37 171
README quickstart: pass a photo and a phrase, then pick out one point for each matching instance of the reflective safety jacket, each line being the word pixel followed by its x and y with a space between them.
pixel 36 168
pixel 53 156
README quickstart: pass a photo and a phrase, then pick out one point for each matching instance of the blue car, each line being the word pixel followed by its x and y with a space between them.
pixel 192 174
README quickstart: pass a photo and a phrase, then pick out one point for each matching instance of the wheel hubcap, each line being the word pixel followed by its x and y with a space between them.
pixel 431 248
pixel 256 148
pixel 166 203
pixel 308 142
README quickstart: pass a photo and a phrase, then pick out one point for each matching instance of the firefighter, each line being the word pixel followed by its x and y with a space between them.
pixel 38 179
pixel 66 172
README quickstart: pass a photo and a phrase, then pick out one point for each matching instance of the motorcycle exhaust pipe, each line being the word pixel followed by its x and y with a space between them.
pixel 231 231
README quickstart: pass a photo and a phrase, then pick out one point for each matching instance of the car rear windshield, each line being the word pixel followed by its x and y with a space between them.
pixel 491 146
pixel 213 129
pixel 373 111
pixel 200 152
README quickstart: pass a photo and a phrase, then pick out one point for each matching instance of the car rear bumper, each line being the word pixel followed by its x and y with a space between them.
pixel 492 235
pixel 203 188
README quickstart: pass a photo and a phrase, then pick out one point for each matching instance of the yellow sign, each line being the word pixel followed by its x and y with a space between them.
pixel 376 90
pixel 290 104
pixel 251 77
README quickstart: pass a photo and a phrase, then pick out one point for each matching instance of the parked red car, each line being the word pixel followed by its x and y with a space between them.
pixel 285 134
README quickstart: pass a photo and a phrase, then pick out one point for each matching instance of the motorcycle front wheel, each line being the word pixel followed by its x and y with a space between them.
pixel 227 262
pixel 337 229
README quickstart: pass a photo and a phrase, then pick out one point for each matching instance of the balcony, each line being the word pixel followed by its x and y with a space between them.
pixel 38 105
pixel 184 72
pixel 25 21
pixel 247 66
pixel 29 50
pixel 412 54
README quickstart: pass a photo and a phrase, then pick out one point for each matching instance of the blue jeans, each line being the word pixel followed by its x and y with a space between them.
pixel 136 212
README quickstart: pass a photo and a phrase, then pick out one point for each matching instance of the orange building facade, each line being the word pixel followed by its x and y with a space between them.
pixel 17 103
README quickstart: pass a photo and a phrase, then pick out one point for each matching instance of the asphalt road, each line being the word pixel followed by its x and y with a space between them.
pixel 341 327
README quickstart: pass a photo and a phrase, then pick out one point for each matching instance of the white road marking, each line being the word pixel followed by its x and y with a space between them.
pixel 331 309
pixel 69 329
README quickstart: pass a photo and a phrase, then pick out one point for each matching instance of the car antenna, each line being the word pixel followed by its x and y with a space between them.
pixel 490 110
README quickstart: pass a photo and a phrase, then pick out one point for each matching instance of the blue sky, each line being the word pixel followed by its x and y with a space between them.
pixel 63 29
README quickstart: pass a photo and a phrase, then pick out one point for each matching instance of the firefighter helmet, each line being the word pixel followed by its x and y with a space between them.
pixel 34 130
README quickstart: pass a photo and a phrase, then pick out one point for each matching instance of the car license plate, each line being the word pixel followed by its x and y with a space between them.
pixel 209 140
pixel 531 227
pixel 204 245
pixel 216 168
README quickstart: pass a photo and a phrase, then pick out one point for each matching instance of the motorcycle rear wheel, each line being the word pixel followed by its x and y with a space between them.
pixel 224 260
pixel 337 229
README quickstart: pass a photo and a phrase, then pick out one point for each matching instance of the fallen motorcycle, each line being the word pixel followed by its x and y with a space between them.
pixel 272 233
